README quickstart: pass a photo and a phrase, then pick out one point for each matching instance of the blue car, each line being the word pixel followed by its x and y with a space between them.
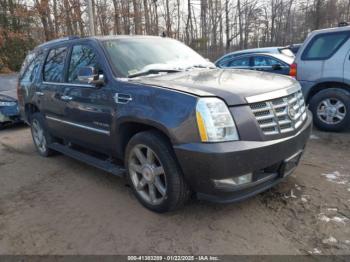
pixel 273 63
pixel 9 112
pixel 270 50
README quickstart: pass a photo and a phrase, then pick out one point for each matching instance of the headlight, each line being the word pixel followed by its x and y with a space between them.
pixel 5 103
pixel 214 121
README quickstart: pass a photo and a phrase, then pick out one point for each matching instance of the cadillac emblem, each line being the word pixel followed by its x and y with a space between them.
pixel 291 112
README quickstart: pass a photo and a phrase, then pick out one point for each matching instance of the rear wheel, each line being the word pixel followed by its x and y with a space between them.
pixel 40 135
pixel 331 109
pixel 154 174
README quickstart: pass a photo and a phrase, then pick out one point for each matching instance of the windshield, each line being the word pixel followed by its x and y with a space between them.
pixel 131 56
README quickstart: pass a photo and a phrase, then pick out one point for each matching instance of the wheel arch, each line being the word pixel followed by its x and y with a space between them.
pixel 29 110
pixel 127 129
pixel 325 85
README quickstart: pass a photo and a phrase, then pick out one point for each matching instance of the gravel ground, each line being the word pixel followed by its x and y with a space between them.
pixel 58 205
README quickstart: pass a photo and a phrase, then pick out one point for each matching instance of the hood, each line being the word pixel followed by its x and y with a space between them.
pixel 231 85
pixel 6 98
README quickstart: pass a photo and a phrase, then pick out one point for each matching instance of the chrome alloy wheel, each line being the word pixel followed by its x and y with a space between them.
pixel 147 175
pixel 38 136
pixel 331 111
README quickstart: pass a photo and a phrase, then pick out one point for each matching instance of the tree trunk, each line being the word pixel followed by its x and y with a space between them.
pixel 147 21
pixel 137 17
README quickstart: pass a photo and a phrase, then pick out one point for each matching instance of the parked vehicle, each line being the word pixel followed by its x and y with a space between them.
pixel 156 109
pixel 9 111
pixel 271 50
pixel 322 67
pixel 294 48
pixel 273 63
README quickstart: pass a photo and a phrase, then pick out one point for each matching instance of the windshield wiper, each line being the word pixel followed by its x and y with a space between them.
pixel 153 71
pixel 202 66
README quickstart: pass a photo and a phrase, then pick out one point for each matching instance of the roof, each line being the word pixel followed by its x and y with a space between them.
pixel 99 38
pixel 111 37
pixel 332 29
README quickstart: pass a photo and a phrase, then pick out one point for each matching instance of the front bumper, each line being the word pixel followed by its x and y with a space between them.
pixel 9 114
pixel 204 162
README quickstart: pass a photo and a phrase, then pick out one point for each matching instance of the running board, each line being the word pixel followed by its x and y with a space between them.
pixel 90 160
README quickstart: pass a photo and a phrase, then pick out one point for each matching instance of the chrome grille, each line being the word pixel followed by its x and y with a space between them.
pixel 280 115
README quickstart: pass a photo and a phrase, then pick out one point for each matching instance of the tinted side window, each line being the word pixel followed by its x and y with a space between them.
pixel 81 56
pixel 225 60
pixel 265 61
pixel 33 70
pixel 54 65
pixel 239 62
pixel 323 46
pixel 28 60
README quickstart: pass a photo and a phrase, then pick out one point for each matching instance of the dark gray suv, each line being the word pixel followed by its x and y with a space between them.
pixel 152 109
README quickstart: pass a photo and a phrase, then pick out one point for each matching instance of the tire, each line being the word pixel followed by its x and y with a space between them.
pixel 339 101
pixel 171 182
pixel 41 144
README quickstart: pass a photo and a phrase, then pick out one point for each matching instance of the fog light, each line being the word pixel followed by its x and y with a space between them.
pixel 234 181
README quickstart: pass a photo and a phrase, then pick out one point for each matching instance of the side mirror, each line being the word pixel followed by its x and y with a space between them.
pixel 88 75
pixel 276 67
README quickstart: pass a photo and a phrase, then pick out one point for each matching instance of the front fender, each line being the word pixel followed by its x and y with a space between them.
pixel 171 112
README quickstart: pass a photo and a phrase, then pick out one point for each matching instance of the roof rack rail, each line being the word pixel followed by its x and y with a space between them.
pixel 67 38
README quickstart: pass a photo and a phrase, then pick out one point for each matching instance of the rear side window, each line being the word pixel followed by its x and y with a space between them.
pixel 225 60
pixel 239 62
pixel 323 46
pixel 28 60
pixel 32 71
pixel 82 56
pixel 265 61
pixel 54 65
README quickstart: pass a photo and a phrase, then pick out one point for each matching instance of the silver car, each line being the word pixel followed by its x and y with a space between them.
pixel 322 66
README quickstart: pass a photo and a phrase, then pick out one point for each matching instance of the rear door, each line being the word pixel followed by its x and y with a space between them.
pixel 53 76
pixel 87 108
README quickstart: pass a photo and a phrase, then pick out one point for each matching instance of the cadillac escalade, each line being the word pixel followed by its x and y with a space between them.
pixel 153 110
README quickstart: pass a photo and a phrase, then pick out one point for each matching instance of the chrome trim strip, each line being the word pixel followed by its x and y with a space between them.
pixel 67 84
pixel 101 131
pixel 274 94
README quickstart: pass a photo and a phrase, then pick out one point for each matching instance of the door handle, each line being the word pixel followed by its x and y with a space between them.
pixel 39 93
pixel 122 98
pixel 66 98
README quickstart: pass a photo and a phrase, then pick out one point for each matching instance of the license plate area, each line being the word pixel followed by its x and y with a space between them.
pixel 290 164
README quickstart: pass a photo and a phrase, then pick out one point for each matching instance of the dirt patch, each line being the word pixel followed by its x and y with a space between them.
pixel 59 206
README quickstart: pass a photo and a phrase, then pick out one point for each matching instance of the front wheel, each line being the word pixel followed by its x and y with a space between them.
pixel 154 174
pixel 331 109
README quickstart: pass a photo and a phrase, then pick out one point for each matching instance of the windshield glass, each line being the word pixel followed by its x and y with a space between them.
pixel 131 56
